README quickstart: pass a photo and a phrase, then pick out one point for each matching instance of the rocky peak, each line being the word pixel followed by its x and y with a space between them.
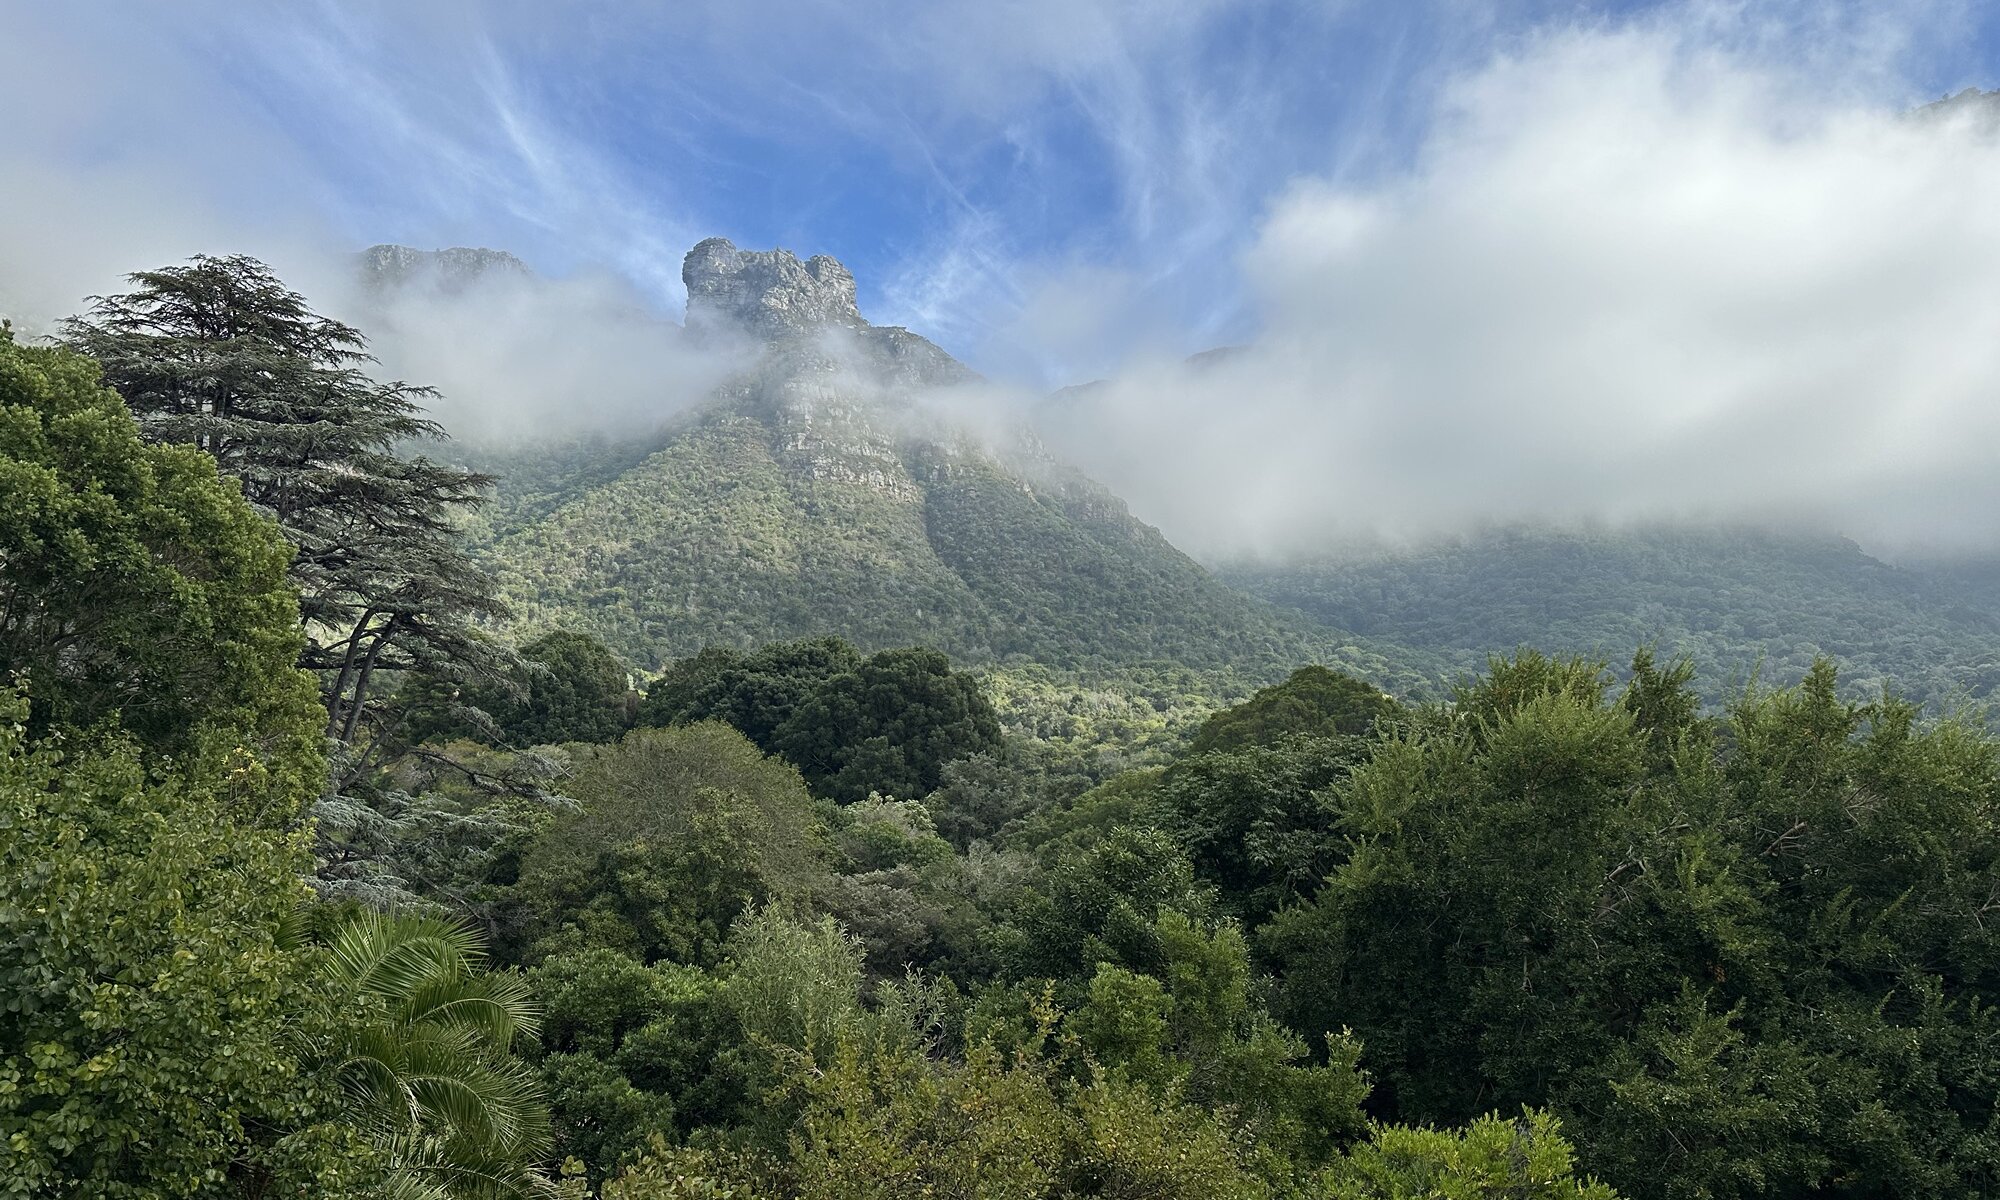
pixel 767 293
pixel 1981 108
pixel 451 269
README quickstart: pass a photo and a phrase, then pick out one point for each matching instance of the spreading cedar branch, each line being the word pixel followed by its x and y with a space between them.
pixel 220 355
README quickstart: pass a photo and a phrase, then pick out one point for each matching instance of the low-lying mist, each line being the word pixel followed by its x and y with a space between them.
pixel 514 357
pixel 518 358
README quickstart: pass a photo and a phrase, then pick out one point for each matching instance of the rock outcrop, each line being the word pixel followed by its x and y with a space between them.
pixel 768 294
pixel 1971 104
pixel 450 269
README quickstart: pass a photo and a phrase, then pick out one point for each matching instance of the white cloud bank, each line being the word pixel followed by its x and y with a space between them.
pixel 515 357
pixel 1633 274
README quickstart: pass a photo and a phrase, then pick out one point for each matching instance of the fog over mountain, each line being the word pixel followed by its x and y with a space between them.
pixel 518 357
pixel 855 478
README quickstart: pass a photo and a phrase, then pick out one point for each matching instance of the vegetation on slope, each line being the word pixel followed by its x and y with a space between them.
pixel 723 537
pixel 170 1029
pixel 1546 939
pixel 1740 601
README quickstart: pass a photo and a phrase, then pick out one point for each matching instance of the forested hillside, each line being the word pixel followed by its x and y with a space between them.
pixel 819 495
pixel 1491 691
pixel 1740 601
pixel 311 884
pixel 717 539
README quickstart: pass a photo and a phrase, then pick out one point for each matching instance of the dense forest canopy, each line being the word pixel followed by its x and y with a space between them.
pixel 1747 602
pixel 318 877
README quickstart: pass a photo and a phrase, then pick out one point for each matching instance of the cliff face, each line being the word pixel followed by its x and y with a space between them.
pixel 842 398
pixel 1982 108
pixel 452 269
pixel 766 293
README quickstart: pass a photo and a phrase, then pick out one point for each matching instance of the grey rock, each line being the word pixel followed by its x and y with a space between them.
pixel 768 294
pixel 840 394
pixel 452 269
pixel 1971 104
pixel 912 360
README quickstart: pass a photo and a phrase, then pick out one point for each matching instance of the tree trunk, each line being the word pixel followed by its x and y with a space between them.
pixel 333 697
pixel 361 684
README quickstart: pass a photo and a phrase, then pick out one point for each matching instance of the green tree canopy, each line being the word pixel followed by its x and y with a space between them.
pixel 138 588
pixel 628 1051
pixel 1070 1105
pixel 155 1012
pixel 1526 1158
pixel 1101 903
pixel 889 725
pixel 1314 700
pixel 169 1032
pixel 885 723
pixel 1258 821
pixel 567 688
pixel 755 692
pixel 679 831
pixel 219 355
pixel 1736 965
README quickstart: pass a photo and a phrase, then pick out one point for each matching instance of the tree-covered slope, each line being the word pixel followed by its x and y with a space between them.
pixel 712 541
pixel 1068 575
pixel 723 536
pixel 1736 599
pixel 821 493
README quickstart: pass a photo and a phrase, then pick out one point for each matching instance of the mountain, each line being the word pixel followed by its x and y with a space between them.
pixel 387 267
pixel 855 479
pixel 1971 104
pixel 849 478
pixel 1737 599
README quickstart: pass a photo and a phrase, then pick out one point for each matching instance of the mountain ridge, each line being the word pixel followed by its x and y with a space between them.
pixel 1743 601
pixel 829 486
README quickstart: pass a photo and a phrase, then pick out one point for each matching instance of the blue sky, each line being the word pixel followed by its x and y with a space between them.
pixel 1045 186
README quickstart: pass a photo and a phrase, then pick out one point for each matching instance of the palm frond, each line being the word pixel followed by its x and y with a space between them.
pixel 497 1006
pixel 424 1059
